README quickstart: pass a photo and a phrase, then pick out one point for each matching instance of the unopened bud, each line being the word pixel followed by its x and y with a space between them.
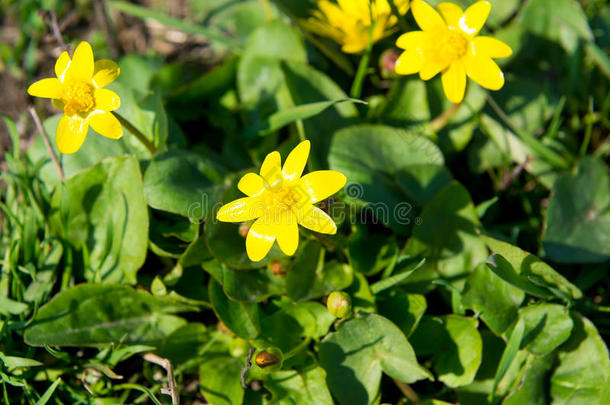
pixel 244 228
pixel 387 63
pixel 277 268
pixel 270 359
pixel 339 304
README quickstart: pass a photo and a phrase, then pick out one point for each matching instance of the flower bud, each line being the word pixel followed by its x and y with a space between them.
pixel 387 63
pixel 270 359
pixel 244 228
pixel 238 347
pixel 339 304
pixel 277 268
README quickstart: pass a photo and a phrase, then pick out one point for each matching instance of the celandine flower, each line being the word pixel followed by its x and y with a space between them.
pixel 78 91
pixel 448 43
pixel 349 21
pixel 280 200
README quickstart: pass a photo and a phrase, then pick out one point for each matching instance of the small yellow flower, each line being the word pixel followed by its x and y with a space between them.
pixel 78 91
pixel 349 22
pixel 280 199
pixel 448 43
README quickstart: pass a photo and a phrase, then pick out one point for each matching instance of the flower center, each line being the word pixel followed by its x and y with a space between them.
pixel 282 199
pixel 78 98
pixel 454 45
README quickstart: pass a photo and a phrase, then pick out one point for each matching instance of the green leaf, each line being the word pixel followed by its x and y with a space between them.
pixel 362 348
pixel 180 345
pixel 11 307
pixel 512 347
pixel 219 378
pixel 92 314
pixel 142 12
pixel 530 267
pixel 247 286
pixel 241 318
pixel 405 310
pixel 370 156
pixel 583 373
pixel 496 300
pixel 532 387
pixel 306 385
pixel 547 326
pixel 280 119
pixel 578 221
pixel 183 183
pixel 395 280
pixel 455 344
pixel 369 252
pixel 565 22
pixel 448 235
pixel 11 362
pixel 48 393
pixel 107 215
pixel 422 182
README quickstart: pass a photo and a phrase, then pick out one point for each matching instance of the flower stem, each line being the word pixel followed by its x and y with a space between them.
pixel 551 157
pixel 136 132
pixel 47 143
pixel 589 118
pixel 356 90
pixel 439 122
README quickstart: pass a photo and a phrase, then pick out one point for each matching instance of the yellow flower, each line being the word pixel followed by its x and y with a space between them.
pixel 280 199
pixel 78 91
pixel 349 22
pixel 448 43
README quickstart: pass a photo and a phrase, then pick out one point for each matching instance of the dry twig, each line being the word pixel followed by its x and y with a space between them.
pixel 171 388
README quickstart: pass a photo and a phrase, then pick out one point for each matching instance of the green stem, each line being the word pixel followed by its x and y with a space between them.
pixel 551 157
pixel 441 121
pixel 588 130
pixel 136 132
pixel 364 63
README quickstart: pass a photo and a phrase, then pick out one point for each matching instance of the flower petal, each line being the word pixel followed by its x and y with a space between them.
pixel 474 17
pixel 47 88
pixel 71 133
pixel 321 184
pixel 490 47
pixel 296 161
pixel 312 217
pixel 451 13
pixel 105 71
pixel 106 100
pixel 485 72
pixel 240 210
pixel 251 184
pixel 82 65
pixel 426 16
pixel 62 64
pixel 409 62
pixel 431 67
pixel 259 240
pixel 271 169
pixel 106 124
pixel 287 235
pixel 412 40
pixel 454 82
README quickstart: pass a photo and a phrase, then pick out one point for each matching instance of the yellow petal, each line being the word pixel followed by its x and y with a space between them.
pixel 62 64
pixel 82 65
pixel 312 217
pixel 474 17
pixel 241 210
pixel 47 88
pixel 454 82
pixel 259 240
pixel 296 161
pixel 332 12
pixel 106 100
pixel 490 47
pixel 430 68
pixel 411 61
pixel 271 169
pixel 251 184
pixel 105 71
pixel 355 46
pixel 321 184
pixel 485 72
pixel 426 16
pixel 71 133
pixel 412 40
pixel 287 235
pixel 451 13
pixel 106 124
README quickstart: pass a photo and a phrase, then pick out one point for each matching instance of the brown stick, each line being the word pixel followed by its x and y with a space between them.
pixel 171 388
pixel 55 28
pixel 47 143
pixel 100 6
pixel 246 368
pixel 515 173
pixel 407 391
